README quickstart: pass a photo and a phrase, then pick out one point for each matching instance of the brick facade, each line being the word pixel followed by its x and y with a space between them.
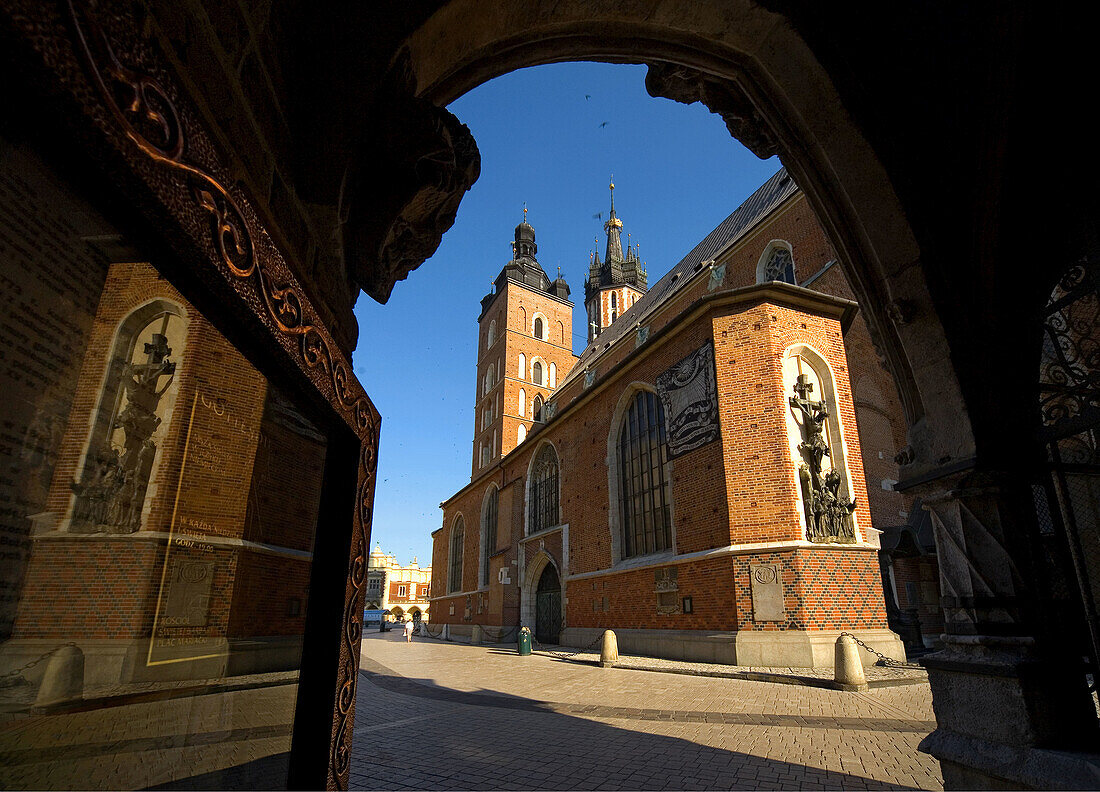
pixel 233 497
pixel 736 502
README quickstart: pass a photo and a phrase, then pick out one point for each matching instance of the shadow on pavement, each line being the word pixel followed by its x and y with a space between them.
pixel 512 742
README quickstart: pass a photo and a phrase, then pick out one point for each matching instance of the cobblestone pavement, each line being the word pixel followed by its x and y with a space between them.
pixel 434 715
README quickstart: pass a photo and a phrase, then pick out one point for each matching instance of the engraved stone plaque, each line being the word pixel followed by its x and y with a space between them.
pixel 767 592
pixel 664 579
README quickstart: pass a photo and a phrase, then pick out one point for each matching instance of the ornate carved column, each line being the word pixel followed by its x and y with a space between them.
pixel 1009 693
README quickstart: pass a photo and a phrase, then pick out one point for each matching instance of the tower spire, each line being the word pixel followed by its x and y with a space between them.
pixel 613 227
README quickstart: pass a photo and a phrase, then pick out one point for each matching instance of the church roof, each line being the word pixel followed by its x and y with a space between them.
pixel 756 207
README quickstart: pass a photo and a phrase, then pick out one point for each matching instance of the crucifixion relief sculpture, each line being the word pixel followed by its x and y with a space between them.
pixel 828 513
pixel 111 494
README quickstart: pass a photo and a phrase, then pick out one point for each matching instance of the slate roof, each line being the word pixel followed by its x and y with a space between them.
pixel 757 206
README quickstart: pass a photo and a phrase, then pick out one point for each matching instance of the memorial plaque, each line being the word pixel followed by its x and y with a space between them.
pixel 689 396
pixel 767 592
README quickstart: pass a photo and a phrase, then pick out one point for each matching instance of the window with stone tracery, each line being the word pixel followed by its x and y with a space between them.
pixel 489 516
pixel 644 498
pixel 454 575
pixel 778 265
pixel 542 494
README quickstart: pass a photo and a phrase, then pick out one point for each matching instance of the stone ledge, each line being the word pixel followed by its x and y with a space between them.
pixel 767 648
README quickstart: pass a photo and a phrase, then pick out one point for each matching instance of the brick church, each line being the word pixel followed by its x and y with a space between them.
pixel 695 479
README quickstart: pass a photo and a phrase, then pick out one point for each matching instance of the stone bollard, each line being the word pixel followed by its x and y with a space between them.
pixel 63 680
pixel 475 635
pixel 609 650
pixel 847 667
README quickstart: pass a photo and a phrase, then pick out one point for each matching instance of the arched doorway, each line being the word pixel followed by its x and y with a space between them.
pixel 415 614
pixel 548 606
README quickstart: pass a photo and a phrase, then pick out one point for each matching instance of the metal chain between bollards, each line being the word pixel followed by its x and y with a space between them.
pixel 564 655
pixel 10 679
pixel 428 630
pixel 883 659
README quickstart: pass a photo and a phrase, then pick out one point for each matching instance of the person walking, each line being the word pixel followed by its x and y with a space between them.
pixel 408 631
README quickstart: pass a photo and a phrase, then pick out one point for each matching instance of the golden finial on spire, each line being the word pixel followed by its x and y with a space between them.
pixel 525 211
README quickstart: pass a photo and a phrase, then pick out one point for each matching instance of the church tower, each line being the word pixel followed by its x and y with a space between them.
pixel 525 348
pixel 615 283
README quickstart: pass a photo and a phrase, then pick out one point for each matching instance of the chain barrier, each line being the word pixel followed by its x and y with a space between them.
pixel 15 677
pixel 882 659
pixel 565 655
pixel 425 628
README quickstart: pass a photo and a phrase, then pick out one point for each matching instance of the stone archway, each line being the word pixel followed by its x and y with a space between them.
pixel 534 568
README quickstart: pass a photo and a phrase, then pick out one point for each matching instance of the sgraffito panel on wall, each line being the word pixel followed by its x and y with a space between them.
pixel 689 396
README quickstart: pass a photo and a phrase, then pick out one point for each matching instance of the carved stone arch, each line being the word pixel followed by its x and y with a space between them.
pixel 535 458
pixel 765 257
pixel 839 454
pixel 545 327
pixel 543 369
pixel 533 569
pixel 751 67
pixel 614 485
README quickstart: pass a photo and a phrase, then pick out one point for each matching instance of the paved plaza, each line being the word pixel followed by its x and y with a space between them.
pixel 435 715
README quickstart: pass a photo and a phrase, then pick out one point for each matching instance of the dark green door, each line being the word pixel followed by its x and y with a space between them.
pixel 548 607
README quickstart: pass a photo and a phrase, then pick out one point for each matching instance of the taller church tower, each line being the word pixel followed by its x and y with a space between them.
pixel 615 283
pixel 525 347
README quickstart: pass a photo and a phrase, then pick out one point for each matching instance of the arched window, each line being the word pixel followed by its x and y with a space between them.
pixel 536 408
pixel 536 372
pixel 454 573
pixel 521 434
pixel 613 306
pixel 522 366
pixel 522 402
pixel 492 337
pixel 777 264
pixel 645 514
pixel 542 501
pixel 553 380
pixel 131 422
pixel 489 515
pixel 538 327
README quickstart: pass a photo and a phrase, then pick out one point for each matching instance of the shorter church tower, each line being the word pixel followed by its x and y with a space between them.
pixel 525 347
pixel 615 283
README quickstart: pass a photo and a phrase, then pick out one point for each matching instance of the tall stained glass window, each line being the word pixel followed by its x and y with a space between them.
pixel 644 498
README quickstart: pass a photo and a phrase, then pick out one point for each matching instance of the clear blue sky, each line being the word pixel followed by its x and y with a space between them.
pixel 551 136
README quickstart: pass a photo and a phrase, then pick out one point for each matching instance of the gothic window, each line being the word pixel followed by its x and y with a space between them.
pixel 521 434
pixel 536 408
pixel 613 306
pixel 522 366
pixel 489 512
pixel 646 516
pixel 553 381
pixel 536 372
pixel 777 264
pixel 492 337
pixel 486 455
pixel 542 503
pixel 130 423
pixel 454 574
pixel 538 327
pixel 522 402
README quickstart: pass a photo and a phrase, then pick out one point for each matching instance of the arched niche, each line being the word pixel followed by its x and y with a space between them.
pixel 808 377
